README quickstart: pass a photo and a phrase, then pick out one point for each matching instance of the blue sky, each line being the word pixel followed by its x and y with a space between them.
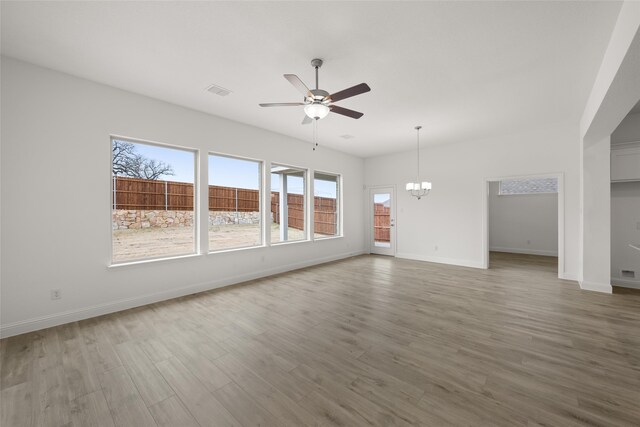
pixel 228 172
pixel 324 188
pixel 181 161
pixel 381 198
pixel 225 171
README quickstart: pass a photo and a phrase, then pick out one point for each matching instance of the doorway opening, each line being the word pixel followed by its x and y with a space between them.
pixel 524 222
pixel 625 202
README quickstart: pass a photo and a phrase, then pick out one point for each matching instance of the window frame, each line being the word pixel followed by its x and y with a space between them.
pixel 196 201
pixel 339 200
pixel 261 187
pixel 305 205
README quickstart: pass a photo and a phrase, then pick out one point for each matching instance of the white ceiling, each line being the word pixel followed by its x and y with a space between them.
pixel 463 70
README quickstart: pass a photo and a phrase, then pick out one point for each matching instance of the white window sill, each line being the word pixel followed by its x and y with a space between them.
pixel 317 239
pixel 290 243
pixel 152 260
pixel 244 248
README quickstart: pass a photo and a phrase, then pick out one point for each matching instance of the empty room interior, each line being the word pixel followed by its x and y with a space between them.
pixel 316 213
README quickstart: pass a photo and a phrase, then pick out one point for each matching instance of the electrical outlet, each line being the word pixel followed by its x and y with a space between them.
pixel 528 242
pixel 436 247
pixel 56 294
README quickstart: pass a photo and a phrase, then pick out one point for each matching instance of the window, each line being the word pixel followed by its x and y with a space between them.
pixel 288 201
pixel 234 203
pixel 152 201
pixel 528 186
pixel 326 217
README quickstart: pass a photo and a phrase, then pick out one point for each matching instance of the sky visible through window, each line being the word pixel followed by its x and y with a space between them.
pixel 180 160
pixel 322 188
pixel 231 172
pixel 224 171
pixel 382 198
pixel 295 184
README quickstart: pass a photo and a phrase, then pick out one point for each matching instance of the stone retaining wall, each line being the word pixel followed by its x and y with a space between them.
pixel 123 219
pixel 222 217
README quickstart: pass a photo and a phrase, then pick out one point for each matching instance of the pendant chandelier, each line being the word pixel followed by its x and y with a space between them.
pixel 418 188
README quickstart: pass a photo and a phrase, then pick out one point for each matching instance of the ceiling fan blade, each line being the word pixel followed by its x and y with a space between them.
pixel 307 120
pixel 348 93
pixel 282 104
pixel 298 84
pixel 346 112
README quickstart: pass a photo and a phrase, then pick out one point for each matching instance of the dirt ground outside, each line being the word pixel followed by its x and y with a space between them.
pixel 129 245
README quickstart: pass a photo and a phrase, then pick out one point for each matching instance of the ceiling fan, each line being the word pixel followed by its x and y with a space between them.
pixel 317 102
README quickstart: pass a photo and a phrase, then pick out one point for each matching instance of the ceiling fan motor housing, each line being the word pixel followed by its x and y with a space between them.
pixel 318 95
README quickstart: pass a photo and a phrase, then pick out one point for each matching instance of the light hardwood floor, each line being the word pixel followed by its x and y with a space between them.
pixel 365 341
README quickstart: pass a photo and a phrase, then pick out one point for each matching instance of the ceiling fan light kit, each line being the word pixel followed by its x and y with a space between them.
pixel 418 189
pixel 316 110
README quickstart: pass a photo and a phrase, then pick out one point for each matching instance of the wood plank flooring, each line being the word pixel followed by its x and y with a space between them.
pixel 369 340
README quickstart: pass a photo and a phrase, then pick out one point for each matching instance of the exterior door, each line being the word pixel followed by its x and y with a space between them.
pixel 383 219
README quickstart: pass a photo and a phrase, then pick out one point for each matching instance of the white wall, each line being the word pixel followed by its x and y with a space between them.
pixel 625 229
pixel 596 232
pixel 617 86
pixel 523 223
pixel 55 130
pixel 615 91
pixel 452 216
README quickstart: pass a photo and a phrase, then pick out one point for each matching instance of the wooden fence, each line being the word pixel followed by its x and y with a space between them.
pixel 325 216
pixel 381 222
pixel 144 194
pixel 233 199
pixel 134 193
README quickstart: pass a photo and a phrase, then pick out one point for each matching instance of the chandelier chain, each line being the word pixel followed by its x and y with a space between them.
pixel 418 159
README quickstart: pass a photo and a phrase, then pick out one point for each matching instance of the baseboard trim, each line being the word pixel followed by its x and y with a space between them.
pixel 524 251
pixel 48 321
pixel 569 276
pixel 635 284
pixel 596 287
pixel 441 260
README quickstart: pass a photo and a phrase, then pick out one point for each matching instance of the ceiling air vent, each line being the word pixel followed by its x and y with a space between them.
pixel 218 90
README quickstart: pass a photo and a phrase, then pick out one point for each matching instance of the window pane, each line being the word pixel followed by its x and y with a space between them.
pixel 234 203
pixel 528 186
pixel 325 205
pixel 382 220
pixel 288 201
pixel 152 201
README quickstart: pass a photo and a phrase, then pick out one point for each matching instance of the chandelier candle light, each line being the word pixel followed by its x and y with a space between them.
pixel 418 189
